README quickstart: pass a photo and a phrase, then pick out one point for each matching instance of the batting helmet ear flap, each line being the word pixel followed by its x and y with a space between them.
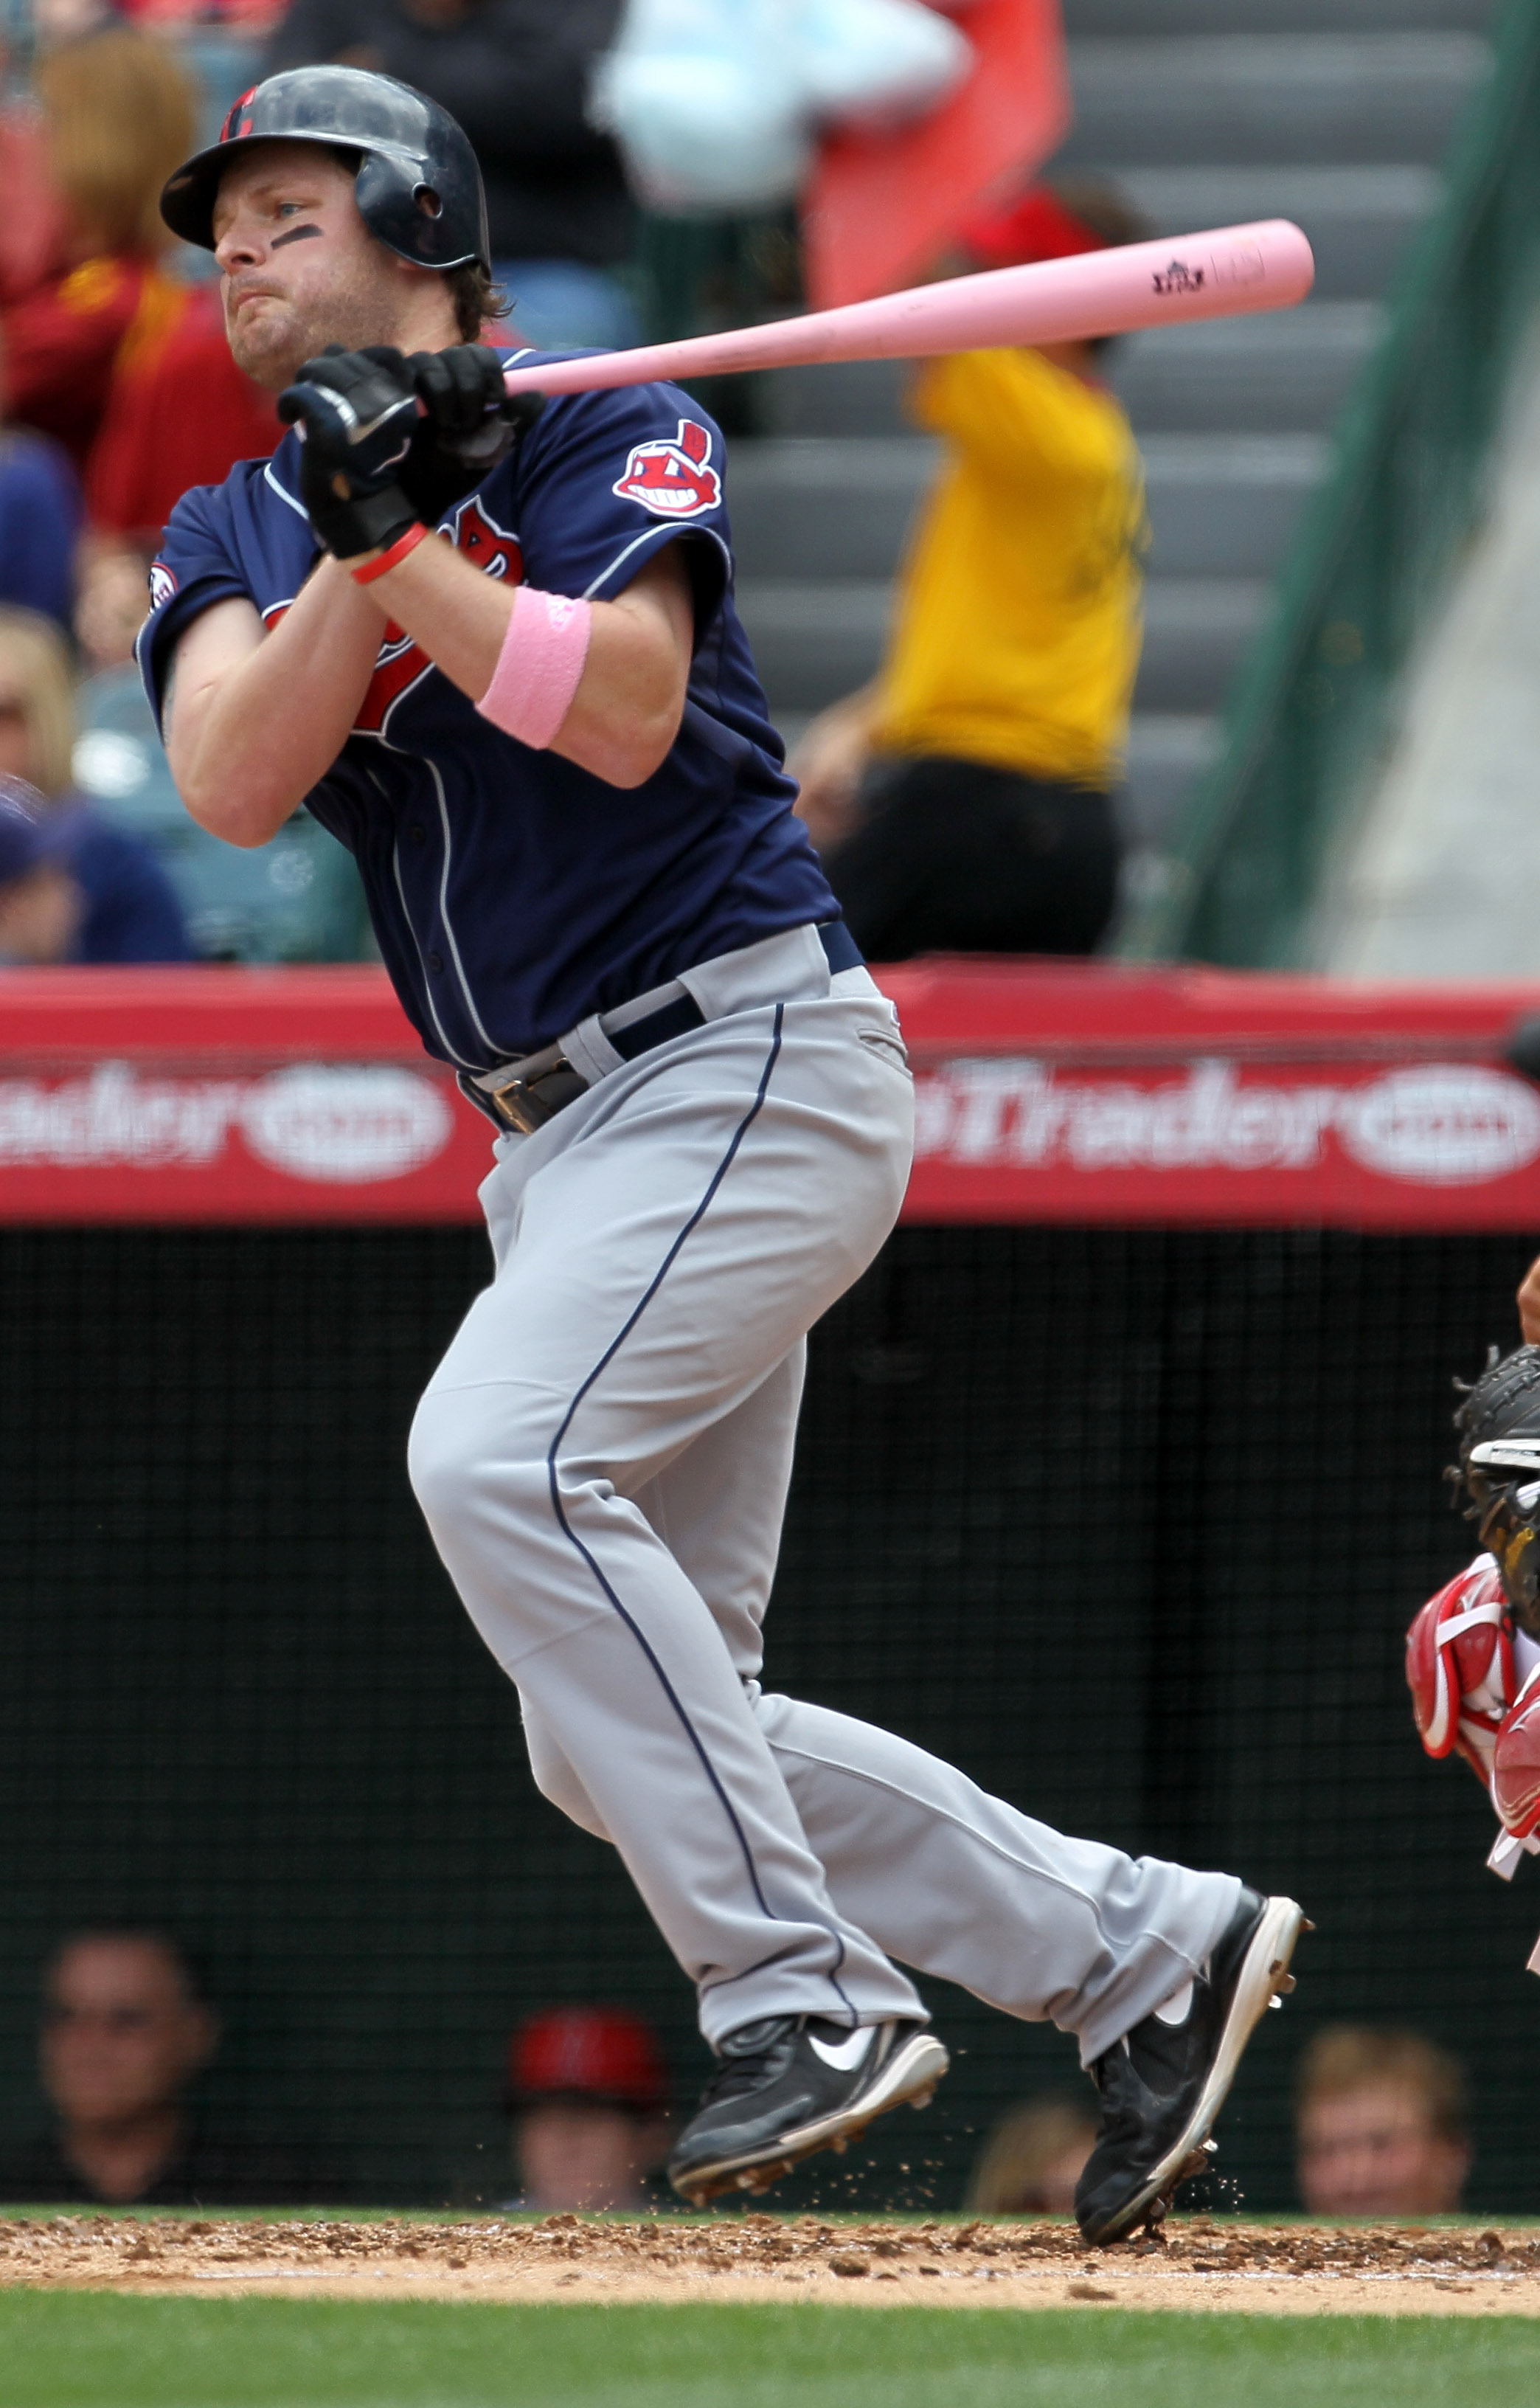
pixel 404 213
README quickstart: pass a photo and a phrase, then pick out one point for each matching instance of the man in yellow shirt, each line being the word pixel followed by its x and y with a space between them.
pixel 963 800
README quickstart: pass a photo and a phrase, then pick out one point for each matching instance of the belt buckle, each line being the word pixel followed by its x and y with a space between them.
pixel 522 1106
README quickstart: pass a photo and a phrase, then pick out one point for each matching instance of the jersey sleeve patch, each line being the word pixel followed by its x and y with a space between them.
pixel 672 477
pixel 197 564
pixel 606 480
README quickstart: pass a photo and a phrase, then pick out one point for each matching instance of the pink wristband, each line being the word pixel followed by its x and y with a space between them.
pixel 538 667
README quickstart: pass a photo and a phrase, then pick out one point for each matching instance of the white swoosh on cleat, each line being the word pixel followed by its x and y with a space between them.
pixel 844 2055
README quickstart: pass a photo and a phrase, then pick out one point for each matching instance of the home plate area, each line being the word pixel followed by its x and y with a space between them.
pixel 1378 2270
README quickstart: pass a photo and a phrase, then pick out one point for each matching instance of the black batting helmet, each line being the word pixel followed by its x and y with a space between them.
pixel 1499 1425
pixel 419 185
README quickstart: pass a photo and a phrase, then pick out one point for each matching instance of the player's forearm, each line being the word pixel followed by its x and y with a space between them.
pixel 625 712
pixel 251 729
pixel 629 699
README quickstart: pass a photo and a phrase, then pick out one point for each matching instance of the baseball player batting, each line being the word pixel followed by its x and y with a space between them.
pixel 543 739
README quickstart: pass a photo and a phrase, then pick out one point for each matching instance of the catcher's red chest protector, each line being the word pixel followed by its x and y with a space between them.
pixel 1459 1667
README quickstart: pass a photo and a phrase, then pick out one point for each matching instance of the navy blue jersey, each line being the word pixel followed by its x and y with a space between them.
pixel 513 893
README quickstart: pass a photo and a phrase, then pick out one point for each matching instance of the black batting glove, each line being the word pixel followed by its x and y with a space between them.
pixel 470 424
pixel 360 414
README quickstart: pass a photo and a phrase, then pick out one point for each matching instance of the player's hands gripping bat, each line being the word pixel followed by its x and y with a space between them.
pixel 375 461
pixel 469 423
pixel 360 416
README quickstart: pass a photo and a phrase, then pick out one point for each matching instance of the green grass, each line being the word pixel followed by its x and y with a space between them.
pixel 93 2350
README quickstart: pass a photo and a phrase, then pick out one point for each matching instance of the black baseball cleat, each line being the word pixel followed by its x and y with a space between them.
pixel 1162 2084
pixel 790 2084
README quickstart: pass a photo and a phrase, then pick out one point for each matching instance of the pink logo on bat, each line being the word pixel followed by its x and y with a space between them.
pixel 672 479
pixel 1179 277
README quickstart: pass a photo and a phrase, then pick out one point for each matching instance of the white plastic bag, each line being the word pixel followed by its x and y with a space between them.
pixel 716 103
pixel 707 102
pixel 878 62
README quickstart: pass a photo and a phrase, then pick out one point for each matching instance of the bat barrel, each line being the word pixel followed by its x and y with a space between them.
pixel 1229 272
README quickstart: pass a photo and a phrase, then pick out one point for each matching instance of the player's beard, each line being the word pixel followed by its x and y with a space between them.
pixel 272 344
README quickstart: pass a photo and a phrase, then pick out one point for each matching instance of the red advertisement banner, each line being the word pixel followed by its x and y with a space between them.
pixel 1043 1093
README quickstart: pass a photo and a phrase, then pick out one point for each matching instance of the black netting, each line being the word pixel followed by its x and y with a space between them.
pixel 1130 1524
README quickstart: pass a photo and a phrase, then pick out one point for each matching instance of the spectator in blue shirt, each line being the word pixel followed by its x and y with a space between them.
pixel 73 888
pixel 39 524
pixel 39 492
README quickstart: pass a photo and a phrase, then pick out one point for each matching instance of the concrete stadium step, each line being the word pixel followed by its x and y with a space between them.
pixel 1255 375
pixel 814 642
pixel 1290 373
pixel 851 397
pixel 1167 750
pixel 825 508
pixel 1358 220
pixel 1085 18
pixel 1235 100
pixel 1218 505
pixel 1227 504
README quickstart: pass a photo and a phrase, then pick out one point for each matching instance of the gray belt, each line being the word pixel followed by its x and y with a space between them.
pixel 532 1091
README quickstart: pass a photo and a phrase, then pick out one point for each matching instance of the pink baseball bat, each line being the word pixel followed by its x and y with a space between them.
pixel 1225 274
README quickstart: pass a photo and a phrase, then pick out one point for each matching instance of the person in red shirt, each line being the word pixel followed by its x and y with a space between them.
pixel 117 110
pixel 123 365
pixel 179 414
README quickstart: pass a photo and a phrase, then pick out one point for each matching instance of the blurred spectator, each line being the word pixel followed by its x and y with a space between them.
pixel 516 74
pixel 111 597
pixel 118 115
pixel 126 2034
pixel 179 414
pixel 588 2092
pixel 54 22
pixel 250 19
pixel 73 888
pixel 1382 2124
pixel 39 524
pixel 1032 2160
pixel 31 230
pixel 36 704
pixel 963 800
pixel 123 365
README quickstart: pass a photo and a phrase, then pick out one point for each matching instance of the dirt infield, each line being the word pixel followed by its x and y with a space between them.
pixel 1272 2270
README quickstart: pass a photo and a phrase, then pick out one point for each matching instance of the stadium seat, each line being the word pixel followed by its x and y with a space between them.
pixel 296 899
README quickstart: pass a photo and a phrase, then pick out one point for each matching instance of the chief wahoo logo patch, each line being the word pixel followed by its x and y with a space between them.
pixel 672 479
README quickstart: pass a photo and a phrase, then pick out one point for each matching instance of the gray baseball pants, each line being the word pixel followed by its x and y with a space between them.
pixel 603 1457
